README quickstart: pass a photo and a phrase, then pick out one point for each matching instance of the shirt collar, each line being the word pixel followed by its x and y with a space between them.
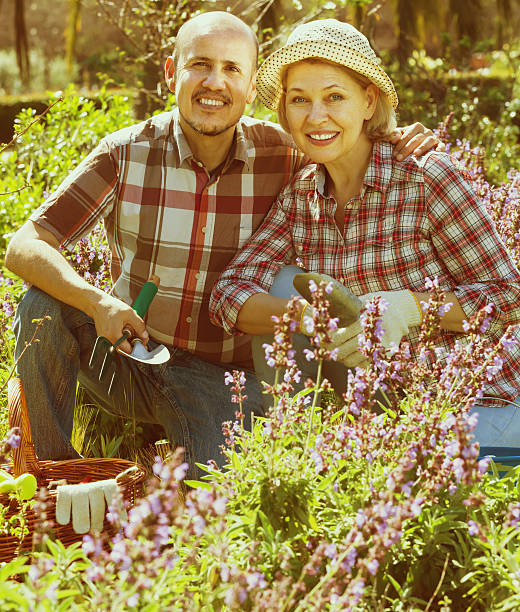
pixel 379 171
pixel 378 174
pixel 240 145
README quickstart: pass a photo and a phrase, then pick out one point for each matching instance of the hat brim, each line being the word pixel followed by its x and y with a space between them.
pixel 269 84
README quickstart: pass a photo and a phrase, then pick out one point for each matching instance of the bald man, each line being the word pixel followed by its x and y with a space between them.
pixel 178 193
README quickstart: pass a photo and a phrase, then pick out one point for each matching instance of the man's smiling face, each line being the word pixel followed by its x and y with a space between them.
pixel 213 80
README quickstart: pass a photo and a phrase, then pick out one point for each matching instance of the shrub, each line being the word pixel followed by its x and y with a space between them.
pixel 48 152
pixel 339 507
pixel 484 106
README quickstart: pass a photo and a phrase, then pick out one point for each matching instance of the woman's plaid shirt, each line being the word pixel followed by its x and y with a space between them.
pixel 413 219
pixel 164 215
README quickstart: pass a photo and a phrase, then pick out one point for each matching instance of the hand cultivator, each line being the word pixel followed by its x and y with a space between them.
pixel 103 350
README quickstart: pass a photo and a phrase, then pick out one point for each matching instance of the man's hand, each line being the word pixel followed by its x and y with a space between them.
pixel 414 139
pixel 402 313
pixel 112 317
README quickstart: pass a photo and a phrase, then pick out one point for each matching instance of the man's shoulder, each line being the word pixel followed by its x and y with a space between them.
pixel 263 133
pixel 153 129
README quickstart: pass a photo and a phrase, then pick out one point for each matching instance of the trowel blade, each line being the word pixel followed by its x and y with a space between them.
pixel 159 355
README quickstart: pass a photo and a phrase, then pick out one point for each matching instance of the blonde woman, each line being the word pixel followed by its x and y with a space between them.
pixel 375 224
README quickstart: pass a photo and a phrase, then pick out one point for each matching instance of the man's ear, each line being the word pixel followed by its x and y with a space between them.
pixel 169 73
pixel 252 90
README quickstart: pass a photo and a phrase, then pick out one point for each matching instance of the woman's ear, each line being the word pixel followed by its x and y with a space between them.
pixel 372 96
pixel 169 73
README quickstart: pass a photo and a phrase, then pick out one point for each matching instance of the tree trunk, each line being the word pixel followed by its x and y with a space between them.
pixel 21 43
pixel 72 33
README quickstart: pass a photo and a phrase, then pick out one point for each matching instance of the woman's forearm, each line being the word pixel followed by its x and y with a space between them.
pixel 452 320
pixel 255 316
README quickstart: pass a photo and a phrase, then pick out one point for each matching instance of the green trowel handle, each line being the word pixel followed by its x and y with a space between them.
pixel 146 295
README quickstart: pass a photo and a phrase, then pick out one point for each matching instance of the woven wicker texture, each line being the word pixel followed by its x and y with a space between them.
pixel 327 39
pixel 73 471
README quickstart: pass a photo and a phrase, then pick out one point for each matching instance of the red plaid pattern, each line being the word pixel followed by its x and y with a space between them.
pixel 413 219
pixel 164 215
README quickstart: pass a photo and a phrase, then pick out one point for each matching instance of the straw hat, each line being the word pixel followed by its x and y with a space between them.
pixel 327 39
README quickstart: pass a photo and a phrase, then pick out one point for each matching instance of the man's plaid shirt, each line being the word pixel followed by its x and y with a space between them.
pixel 164 215
pixel 413 219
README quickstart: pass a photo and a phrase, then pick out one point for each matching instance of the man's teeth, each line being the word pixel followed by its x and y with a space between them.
pixel 211 102
pixel 322 136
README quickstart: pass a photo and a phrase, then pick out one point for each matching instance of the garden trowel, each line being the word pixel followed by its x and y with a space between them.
pixel 103 350
pixel 343 304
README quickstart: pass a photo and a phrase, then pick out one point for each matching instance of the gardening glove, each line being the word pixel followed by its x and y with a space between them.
pixel 403 312
pixel 87 502
pixel 343 304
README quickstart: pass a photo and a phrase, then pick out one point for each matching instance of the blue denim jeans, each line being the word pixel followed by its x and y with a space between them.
pixel 498 425
pixel 186 395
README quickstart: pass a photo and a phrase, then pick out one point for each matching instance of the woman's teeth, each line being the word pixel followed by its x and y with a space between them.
pixel 322 136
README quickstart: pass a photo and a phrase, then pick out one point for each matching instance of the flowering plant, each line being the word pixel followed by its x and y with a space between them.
pixel 374 500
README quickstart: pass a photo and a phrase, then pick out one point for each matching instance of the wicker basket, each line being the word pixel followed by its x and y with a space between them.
pixel 73 471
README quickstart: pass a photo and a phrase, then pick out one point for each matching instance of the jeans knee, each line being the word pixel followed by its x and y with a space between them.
pixel 35 304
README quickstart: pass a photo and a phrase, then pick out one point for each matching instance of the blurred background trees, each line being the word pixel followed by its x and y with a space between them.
pixel 445 55
pixel 81 39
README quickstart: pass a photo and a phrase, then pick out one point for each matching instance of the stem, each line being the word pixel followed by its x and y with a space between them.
pixel 35 120
pixel 22 523
pixel 11 371
pixel 313 407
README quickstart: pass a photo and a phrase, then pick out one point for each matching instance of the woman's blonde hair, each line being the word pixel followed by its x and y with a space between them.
pixel 382 123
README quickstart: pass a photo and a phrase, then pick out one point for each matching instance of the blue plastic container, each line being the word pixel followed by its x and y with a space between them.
pixel 505 458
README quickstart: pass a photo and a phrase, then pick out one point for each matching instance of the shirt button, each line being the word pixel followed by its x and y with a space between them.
pixel 188 319
pixel 203 230
pixel 197 275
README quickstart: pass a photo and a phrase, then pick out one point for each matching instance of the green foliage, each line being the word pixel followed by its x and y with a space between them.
pixel 49 151
pixel 484 107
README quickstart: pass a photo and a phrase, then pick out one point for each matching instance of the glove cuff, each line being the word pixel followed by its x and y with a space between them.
pixel 306 312
pixel 410 308
pixel 404 301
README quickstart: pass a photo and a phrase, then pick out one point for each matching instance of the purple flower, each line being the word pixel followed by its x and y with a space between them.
pixel 219 505
pixel 133 600
pixel 330 551
pixel 179 473
pixel 199 524
pixel 13 439
pixel 445 308
pixel 256 580
pixel 473 528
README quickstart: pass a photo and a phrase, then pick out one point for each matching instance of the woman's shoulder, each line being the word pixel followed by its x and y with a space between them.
pixel 431 167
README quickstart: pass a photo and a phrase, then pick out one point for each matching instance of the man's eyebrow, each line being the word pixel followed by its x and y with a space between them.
pixel 198 58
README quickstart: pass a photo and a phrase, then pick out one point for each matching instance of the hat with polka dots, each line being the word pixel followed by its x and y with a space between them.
pixel 327 39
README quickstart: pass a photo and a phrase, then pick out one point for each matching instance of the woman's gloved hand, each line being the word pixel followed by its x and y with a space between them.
pixel 403 312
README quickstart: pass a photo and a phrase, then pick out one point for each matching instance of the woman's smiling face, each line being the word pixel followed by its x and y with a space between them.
pixel 326 109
